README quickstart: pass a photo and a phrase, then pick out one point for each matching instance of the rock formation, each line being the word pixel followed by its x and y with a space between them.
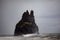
pixel 26 25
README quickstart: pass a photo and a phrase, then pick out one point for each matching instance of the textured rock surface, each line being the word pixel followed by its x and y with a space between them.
pixel 26 25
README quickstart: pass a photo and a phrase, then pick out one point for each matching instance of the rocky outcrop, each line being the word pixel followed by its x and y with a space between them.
pixel 26 25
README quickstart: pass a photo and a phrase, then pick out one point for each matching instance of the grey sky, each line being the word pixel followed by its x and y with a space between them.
pixel 47 14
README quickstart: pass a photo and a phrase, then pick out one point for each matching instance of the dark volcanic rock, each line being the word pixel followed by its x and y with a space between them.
pixel 26 25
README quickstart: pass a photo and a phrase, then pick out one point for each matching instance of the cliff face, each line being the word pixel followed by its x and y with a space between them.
pixel 26 25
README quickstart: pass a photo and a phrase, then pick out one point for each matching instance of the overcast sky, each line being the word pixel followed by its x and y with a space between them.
pixel 46 12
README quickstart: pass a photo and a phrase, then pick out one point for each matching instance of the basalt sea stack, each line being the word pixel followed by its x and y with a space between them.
pixel 26 25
